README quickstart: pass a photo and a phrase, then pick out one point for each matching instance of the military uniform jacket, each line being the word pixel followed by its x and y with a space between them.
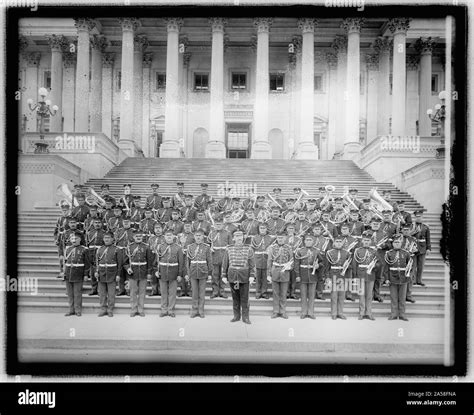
pixel 89 222
pixel 260 244
pixel 139 259
pixel 275 225
pixel 279 255
pixel 238 264
pixel 95 238
pixel 410 244
pixel 184 240
pixel 170 261
pixel 219 240
pixel 294 241
pixel 389 229
pixel 250 227
pixel 129 202
pixel 154 202
pixel 198 261
pixel 204 225
pixel 332 229
pixel 107 215
pixel 322 244
pixel 423 237
pixel 136 216
pixel 203 201
pixel 361 260
pixel 336 259
pixel 366 216
pixel 154 241
pixel 224 204
pixel 397 260
pixel 80 213
pixel 188 213
pixel 123 237
pixel 377 238
pixel 163 215
pixel 115 223
pixel 178 200
pixel 62 224
pixel 76 263
pixel 356 228
pixel 402 217
pixel 109 262
pixel 349 243
pixel 305 259
pixel 176 226
pixel 147 226
pixel 302 226
pixel 66 242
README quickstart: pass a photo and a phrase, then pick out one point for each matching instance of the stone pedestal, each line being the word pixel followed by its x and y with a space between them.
pixel 307 151
pixel 261 150
pixel 216 150
pixel 170 149
pixel 351 150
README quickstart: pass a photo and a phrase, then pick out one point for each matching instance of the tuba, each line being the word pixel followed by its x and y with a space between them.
pixel 330 189
pixel 93 198
pixel 348 201
pixel 382 204
pixel 67 198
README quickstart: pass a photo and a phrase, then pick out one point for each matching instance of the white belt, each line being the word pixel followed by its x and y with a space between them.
pixel 237 267
pixel 421 240
pixel 219 247
pixel 198 262
pixel 169 264
pixel 397 269
pixel 259 252
pixel 277 264
pixel 107 265
pixel 74 265
pixel 363 266
pixel 95 246
pixel 306 266
pixel 137 263
pixel 332 267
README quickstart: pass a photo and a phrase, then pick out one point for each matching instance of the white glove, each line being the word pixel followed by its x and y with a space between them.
pixel 224 280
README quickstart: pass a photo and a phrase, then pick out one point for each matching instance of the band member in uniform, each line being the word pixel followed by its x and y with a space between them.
pixel 260 244
pixel 322 195
pixel 363 264
pixel 139 266
pixel 203 200
pixel 387 195
pixel 329 229
pixel 397 260
pixel 115 222
pixel 229 226
pixel 238 268
pixel 294 242
pixel 153 241
pixel 123 238
pixel 76 267
pixel 108 263
pixel 218 239
pixel 356 227
pixel 175 225
pixel 275 224
pixel 185 239
pixel 309 265
pixel 280 262
pixel 163 214
pixel 136 212
pixel 147 225
pixel 188 212
pixel 198 271
pixel 401 217
pixel 423 239
pixel 348 243
pixel 170 263
pixel 302 224
pixel 62 224
pixel 126 201
pixel 105 193
pixel 201 223
pixel 94 240
pixel 66 242
pixel 81 211
pixel 108 213
pixel 278 199
pixel 89 222
pixel 379 241
pixel 321 244
pixel 178 198
pixel 410 245
pixel 154 201
pixel 365 214
pixel 338 215
pixel 225 204
pixel 353 196
pixel 249 226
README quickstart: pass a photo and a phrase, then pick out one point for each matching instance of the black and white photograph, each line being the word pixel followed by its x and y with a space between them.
pixel 236 185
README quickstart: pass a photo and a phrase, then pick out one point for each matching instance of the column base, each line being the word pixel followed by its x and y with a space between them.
pixel 128 147
pixel 215 150
pixel 170 149
pixel 307 151
pixel 261 150
pixel 351 150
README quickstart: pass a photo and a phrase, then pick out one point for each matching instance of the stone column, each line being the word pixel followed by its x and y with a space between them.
pixel 399 27
pixel 412 101
pixel 294 61
pixel 98 46
pixel 31 82
pixel 372 61
pixel 126 143
pixel 261 148
pixel 69 88
pixel 216 146
pixel 383 47
pixel 333 109
pixel 306 146
pixel 81 115
pixel 340 47
pixel 57 44
pixel 170 145
pixel 146 63
pixel 425 48
pixel 352 137
pixel 107 88
pixel 141 43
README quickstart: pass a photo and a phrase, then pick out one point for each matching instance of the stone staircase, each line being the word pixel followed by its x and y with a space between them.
pixel 37 254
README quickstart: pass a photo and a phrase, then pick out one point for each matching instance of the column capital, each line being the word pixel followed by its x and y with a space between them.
pixel 22 43
pixel 186 59
pixel 340 44
pixel 32 58
pixel 69 59
pixel 383 44
pixel 425 45
pixel 413 62
pixel 140 43
pixel 84 24
pixel 399 24
pixel 331 59
pixel 217 24
pixel 372 61
pixel 174 24
pixel 147 59
pixel 263 24
pixel 108 59
pixel 57 42
pixel 99 43
pixel 353 24
pixel 129 24
pixel 307 25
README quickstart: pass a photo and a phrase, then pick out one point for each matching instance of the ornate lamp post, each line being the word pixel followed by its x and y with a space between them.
pixel 439 115
pixel 43 109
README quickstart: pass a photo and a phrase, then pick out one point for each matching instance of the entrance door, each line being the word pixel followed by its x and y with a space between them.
pixel 238 141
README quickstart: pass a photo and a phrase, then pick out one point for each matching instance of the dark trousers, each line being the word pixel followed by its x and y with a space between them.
pixel 279 297
pixel 262 283
pixel 410 288
pixel 122 281
pixel 199 295
pixel 398 295
pixel 420 264
pixel 218 286
pixel 365 297
pixel 107 295
pixel 307 291
pixel 185 287
pixel 379 271
pixel 155 286
pixel 168 295
pixel 319 287
pixel 74 295
pixel 137 295
pixel 240 300
pixel 292 283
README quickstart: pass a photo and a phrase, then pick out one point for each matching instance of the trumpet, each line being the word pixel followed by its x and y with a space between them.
pixel 94 199
pixel 371 265
pixel 330 189
pixel 346 266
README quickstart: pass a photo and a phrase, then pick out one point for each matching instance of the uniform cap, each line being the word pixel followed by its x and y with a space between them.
pixel 78 233
pixel 386 191
pixel 127 185
pixel 353 190
pixel 386 211
pixel 118 207
pixel 137 197
pixel 108 233
pixel 277 189
pixel 281 233
pixel 398 237
pixel 376 219
pixel 418 212
pixel 237 232
pixel 65 206
pixel 80 196
pixel 354 210
pixel 204 185
pixel 367 234
pixel 166 199
pixel 338 199
pixel 322 189
pixel 104 186
pixel 180 184
pixel 198 231
pixel 366 200
pixel 155 185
